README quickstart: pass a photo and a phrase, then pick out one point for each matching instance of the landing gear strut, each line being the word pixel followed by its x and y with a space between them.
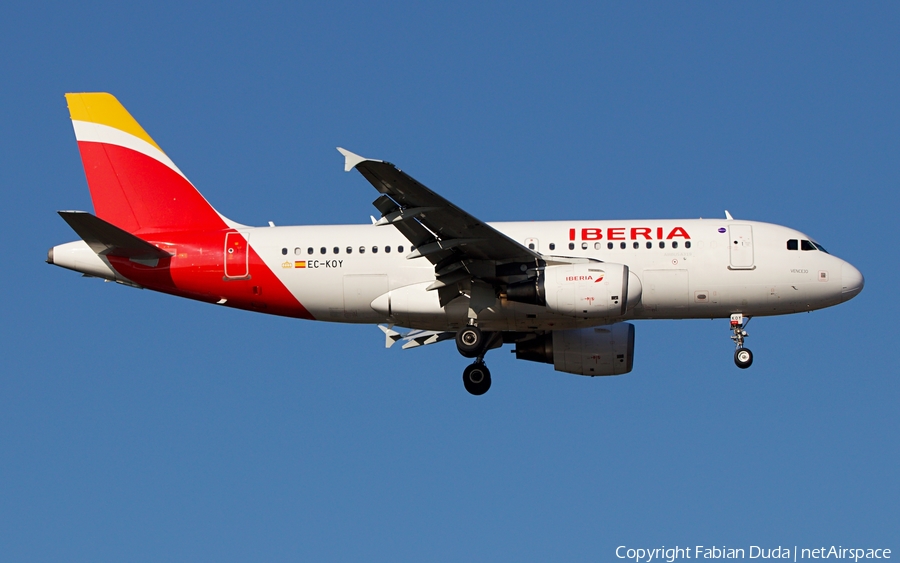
pixel 473 343
pixel 743 357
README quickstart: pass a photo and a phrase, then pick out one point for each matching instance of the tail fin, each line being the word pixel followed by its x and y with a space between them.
pixel 133 183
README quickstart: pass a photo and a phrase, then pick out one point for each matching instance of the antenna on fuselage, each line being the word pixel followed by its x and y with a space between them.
pixel 728 216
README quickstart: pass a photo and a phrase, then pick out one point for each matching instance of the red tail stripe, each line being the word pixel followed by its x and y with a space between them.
pixel 142 195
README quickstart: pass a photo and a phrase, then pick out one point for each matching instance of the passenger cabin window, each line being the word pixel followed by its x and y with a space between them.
pixel 297 251
pixel 323 250
pixel 310 250
pixel 337 250
pixel 806 245
pixel 362 249
pixel 636 245
pixel 792 244
pixel 674 244
pixel 349 250
pixel 400 248
pixel 552 246
pixel 649 244
pixel 622 245
pixel 571 246
pixel 687 244
pixel 530 246
pixel 584 246
pixel 609 245
pixel 662 244
pixel 284 251
pixel 387 248
pixel 374 250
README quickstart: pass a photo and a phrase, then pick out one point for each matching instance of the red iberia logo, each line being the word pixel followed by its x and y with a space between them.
pixel 633 233
pixel 598 278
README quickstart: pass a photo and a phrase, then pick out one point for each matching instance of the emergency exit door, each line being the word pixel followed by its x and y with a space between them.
pixel 741 242
pixel 237 265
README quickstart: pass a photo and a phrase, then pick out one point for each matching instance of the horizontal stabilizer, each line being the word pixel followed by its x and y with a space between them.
pixel 107 239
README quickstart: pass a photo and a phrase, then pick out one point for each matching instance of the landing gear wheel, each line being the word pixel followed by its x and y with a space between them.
pixel 470 342
pixel 477 378
pixel 743 357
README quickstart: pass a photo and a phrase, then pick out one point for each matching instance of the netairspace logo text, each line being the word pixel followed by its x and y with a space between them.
pixel 795 553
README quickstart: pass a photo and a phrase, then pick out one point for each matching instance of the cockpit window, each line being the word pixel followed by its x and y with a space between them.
pixel 806 245
pixel 792 244
pixel 819 246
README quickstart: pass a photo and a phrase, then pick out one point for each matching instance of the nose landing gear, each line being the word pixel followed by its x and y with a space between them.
pixel 743 357
pixel 473 343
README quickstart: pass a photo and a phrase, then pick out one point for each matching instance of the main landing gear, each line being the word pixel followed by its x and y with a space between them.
pixel 477 378
pixel 473 343
pixel 743 357
pixel 470 341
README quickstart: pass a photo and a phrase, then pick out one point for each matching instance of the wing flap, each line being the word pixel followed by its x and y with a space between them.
pixel 414 338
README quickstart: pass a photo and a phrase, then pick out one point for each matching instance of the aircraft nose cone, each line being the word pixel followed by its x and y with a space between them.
pixel 852 282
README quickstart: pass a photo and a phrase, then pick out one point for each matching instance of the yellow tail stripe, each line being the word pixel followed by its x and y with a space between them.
pixel 105 109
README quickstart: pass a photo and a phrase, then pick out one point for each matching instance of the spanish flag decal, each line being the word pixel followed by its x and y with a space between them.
pixel 300 264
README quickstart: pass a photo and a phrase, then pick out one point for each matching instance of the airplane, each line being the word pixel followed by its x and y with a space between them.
pixel 560 292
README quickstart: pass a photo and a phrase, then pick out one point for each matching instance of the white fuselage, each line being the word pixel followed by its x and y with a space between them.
pixel 688 268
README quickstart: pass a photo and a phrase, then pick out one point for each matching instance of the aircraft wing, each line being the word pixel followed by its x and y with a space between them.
pixel 462 247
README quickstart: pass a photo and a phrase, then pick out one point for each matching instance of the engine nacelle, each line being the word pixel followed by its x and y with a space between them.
pixel 603 350
pixel 595 290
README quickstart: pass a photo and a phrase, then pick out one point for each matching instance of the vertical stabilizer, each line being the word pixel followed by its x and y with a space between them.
pixel 133 184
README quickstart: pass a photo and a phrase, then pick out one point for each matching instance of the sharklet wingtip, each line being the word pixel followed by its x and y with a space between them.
pixel 352 159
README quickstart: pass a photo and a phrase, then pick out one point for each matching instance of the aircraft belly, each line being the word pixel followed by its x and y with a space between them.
pixel 359 292
pixel 666 293
pixel 747 299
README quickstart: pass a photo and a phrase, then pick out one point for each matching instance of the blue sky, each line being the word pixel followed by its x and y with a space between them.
pixel 137 426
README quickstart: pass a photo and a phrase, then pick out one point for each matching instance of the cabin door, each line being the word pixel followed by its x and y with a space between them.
pixel 237 264
pixel 740 241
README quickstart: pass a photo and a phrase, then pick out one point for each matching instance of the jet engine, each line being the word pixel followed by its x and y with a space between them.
pixel 603 350
pixel 593 290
